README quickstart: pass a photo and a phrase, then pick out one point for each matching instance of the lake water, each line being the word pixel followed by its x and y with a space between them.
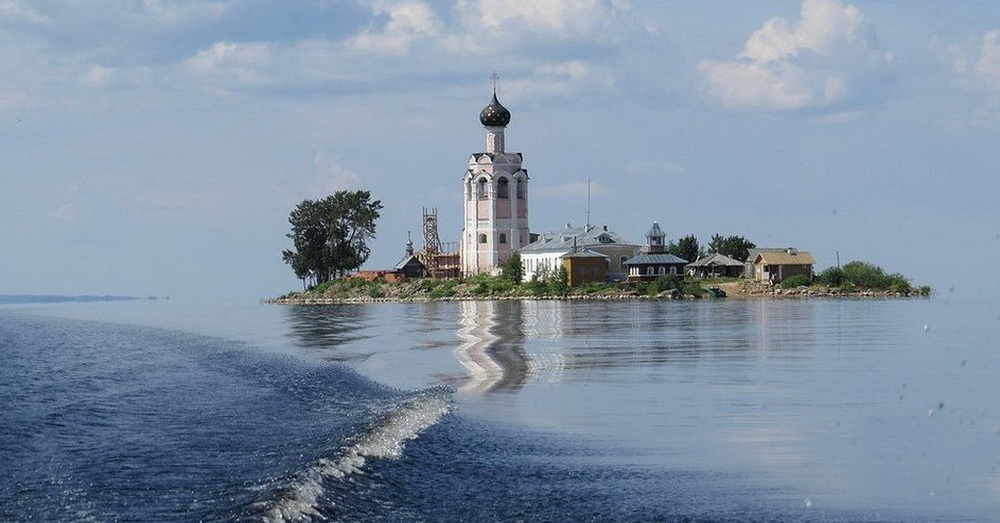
pixel 716 410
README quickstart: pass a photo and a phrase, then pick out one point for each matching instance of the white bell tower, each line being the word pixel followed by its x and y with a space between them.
pixel 495 196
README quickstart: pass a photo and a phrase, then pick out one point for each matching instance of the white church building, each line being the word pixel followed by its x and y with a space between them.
pixel 496 199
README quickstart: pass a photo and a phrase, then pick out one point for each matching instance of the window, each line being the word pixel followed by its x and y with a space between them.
pixel 663 270
pixel 481 189
pixel 649 270
pixel 503 190
pixel 482 238
pixel 520 189
pixel 503 238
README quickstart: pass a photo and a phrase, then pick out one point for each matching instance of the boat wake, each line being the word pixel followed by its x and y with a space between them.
pixel 301 499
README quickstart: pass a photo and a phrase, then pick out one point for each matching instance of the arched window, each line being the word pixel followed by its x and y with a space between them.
pixel 503 238
pixel 481 189
pixel 649 270
pixel 503 189
pixel 468 190
pixel 482 238
pixel 520 189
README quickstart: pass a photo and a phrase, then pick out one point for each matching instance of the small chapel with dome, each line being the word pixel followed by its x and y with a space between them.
pixel 496 198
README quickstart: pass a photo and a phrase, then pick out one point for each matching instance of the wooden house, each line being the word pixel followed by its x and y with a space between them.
pixel 774 265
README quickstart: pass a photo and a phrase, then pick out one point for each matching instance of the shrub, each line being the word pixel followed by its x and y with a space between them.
pixel 795 281
pixel 898 283
pixel 832 277
pixel 666 282
pixel 446 288
pixel 692 288
pixel 865 275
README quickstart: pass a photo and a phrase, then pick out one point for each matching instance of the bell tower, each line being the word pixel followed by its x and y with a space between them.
pixel 495 191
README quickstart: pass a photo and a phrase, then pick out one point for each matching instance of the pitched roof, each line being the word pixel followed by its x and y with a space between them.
pixel 716 259
pixel 585 237
pixel 407 261
pixel 785 257
pixel 656 259
pixel 584 253
pixel 655 231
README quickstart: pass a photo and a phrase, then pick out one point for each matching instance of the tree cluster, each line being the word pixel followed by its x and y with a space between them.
pixel 687 248
pixel 736 247
pixel 330 236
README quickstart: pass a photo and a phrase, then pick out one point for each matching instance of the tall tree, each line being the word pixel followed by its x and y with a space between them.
pixel 686 248
pixel 736 247
pixel 330 236
pixel 511 268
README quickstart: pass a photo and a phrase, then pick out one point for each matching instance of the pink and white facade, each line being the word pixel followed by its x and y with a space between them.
pixel 495 198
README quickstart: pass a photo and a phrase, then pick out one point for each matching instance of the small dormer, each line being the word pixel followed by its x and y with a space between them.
pixel 605 238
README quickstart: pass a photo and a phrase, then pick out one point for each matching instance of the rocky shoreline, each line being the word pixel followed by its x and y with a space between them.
pixel 408 293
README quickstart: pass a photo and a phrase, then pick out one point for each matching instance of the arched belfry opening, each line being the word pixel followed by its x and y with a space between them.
pixel 494 210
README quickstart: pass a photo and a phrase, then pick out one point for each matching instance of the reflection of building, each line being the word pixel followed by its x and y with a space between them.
pixel 496 198
pixel 492 346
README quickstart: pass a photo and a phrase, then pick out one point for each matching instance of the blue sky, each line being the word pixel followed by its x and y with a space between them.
pixel 156 146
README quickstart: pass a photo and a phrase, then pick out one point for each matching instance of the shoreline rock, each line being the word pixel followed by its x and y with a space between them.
pixel 734 290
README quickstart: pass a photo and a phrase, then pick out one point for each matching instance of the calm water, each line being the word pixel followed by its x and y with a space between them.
pixel 822 410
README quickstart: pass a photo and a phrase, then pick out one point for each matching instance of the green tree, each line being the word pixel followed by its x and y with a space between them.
pixel 559 282
pixel 686 248
pixel 736 247
pixel 330 236
pixel 511 269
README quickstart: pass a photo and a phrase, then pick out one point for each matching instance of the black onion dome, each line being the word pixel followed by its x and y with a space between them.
pixel 495 114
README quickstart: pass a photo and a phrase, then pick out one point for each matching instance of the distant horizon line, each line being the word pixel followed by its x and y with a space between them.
pixel 58 298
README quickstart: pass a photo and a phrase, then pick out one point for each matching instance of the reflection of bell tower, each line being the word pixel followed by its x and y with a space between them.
pixel 495 196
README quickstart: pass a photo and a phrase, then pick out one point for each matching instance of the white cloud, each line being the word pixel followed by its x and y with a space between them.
pixel 560 79
pixel 976 69
pixel 228 64
pixel 407 21
pixel 590 19
pixel 976 64
pixel 827 57
pixel 174 11
pixel 13 99
pixel 331 176
pixel 13 10
pixel 66 213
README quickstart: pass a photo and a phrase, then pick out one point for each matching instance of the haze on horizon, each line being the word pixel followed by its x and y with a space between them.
pixel 156 147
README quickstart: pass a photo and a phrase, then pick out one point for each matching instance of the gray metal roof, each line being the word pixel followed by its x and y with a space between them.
pixel 655 231
pixel 656 259
pixel 584 253
pixel 563 240
pixel 407 260
pixel 716 259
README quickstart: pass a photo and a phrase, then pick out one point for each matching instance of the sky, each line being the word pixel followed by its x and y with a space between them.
pixel 156 147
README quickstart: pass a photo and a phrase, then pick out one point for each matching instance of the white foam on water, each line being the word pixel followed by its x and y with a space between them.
pixel 385 440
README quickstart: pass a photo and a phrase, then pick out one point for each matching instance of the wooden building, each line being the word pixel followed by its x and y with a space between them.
pixel 774 265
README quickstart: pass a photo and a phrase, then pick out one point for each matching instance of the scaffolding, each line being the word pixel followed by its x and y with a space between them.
pixel 437 262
